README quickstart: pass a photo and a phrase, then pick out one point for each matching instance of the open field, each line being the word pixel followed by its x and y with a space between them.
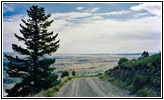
pixel 88 63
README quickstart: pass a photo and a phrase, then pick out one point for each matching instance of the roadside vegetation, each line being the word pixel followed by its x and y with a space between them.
pixel 141 76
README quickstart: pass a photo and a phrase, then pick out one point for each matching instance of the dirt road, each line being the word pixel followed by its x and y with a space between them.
pixel 91 87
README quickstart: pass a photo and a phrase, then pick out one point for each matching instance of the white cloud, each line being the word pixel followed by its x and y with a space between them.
pixel 153 8
pixel 137 15
pixel 91 33
pixel 92 10
pixel 79 8
pixel 70 15
pixel 10 27
pixel 115 13
pixel 111 36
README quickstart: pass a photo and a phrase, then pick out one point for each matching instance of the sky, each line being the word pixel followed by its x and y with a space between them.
pixel 93 27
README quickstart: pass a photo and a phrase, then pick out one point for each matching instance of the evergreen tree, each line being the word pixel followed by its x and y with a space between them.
pixel 33 69
pixel 145 54
pixel 73 73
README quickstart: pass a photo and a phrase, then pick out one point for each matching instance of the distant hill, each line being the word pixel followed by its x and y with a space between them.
pixel 5 61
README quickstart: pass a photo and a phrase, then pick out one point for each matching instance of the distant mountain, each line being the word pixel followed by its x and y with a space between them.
pixel 135 53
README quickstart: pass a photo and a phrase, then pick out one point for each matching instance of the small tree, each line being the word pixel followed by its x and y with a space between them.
pixel 64 74
pixel 145 54
pixel 33 69
pixel 73 73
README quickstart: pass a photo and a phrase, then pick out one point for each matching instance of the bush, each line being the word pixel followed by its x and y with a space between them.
pixel 56 88
pixel 139 82
pixel 121 61
pixel 119 83
pixel 102 77
pixel 50 94
pixel 111 79
pixel 64 74
pixel 146 93
pixel 44 93
pixel 69 78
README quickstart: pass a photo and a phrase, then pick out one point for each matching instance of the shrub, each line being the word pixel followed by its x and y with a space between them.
pixel 50 94
pixel 102 77
pixel 121 61
pixel 111 79
pixel 44 93
pixel 119 83
pixel 69 78
pixel 56 88
pixel 139 82
pixel 146 93
pixel 64 74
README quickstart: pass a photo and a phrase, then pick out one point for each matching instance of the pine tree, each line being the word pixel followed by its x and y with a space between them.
pixel 73 73
pixel 33 69
pixel 145 54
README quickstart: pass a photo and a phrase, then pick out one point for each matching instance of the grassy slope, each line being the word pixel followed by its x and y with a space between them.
pixel 142 76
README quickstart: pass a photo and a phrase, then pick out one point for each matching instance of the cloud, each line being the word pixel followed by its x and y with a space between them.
pixel 79 8
pixel 137 15
pixel 7 8
pixel 10 27
pixel 92 10
pixel 111 36
pixel 115 13
pixel 153 8
pixel 86 32
pixel 70 15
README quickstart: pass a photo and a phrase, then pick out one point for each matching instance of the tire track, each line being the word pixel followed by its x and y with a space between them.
pixel 75 86
pixel 109 89
pixel 85 90
pixel 95 87
pixel 91 87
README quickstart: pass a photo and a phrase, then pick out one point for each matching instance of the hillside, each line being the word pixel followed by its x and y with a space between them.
pixel 142 76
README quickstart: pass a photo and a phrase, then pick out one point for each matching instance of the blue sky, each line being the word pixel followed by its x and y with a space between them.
pixel 20 8
pixel 93 27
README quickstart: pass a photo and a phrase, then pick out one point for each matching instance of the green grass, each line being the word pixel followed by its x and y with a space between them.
pixel 119 83
pixel 102 77
pixel 147 93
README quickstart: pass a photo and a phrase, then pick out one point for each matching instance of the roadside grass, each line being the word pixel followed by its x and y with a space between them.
pixel 52 92
pixel 102 76
pixel 146 92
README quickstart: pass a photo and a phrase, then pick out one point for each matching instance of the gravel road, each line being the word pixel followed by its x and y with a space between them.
pixel 91 87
